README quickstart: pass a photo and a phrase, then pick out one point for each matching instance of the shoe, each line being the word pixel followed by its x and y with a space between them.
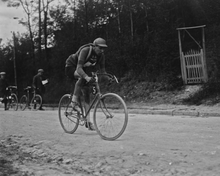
pixel 90 126
pixel 76 107
pixel 6 109
pixel 41 109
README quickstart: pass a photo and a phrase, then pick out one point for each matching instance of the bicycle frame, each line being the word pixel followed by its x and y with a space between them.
pixel 98 94
pixel 95 99
pixel 29 98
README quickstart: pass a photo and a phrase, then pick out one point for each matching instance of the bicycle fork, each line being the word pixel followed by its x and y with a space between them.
pixel 105 109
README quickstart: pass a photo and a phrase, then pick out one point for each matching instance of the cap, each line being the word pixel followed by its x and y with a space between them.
pixel 100 42
pixel 40 70
pixel 2 73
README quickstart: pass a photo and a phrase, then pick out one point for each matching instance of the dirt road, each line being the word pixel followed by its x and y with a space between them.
pixel 33 143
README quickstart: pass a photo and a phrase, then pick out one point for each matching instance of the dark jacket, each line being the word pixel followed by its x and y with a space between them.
pixel 37 84
pixel 3 86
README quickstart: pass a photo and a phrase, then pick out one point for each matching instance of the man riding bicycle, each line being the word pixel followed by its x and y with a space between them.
pixel 89 58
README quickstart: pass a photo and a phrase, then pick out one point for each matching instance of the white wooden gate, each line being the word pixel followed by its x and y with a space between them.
pixel 193 63
pixel 193 67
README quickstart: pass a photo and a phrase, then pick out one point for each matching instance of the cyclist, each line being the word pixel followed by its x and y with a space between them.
pixel 89 58
pixel 38 85
pixel 3 89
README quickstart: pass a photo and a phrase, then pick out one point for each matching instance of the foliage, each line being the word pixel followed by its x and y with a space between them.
pixel 208 94
pixel 141 35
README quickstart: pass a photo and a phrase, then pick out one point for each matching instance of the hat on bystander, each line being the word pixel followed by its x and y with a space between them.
pixel 40 70
pixel 2 73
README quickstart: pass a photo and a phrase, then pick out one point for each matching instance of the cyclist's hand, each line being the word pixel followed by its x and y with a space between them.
pixel 87 78
pixel 90 80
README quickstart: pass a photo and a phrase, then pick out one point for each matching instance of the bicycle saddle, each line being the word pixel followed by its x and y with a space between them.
pixel 12 87
pixel 27 88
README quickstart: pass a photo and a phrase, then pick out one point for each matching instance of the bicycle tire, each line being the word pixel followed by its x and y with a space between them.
pixel 36 102
pixel 23 102
pixel 14 102
pixel 68 119
pixel 109 123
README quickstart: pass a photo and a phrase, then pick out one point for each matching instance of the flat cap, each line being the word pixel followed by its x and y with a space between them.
pixel 2 73
pixel 40 70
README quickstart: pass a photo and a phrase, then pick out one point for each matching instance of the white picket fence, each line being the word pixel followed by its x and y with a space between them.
pixel 194 67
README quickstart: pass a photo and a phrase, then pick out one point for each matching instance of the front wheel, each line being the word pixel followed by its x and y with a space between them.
pixel 13 102
pixel 68 118
pixel 110 116
pixel 36 102
pixel 23 102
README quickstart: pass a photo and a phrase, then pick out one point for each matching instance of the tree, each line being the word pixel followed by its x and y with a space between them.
pixel 27 6
pixel 45 4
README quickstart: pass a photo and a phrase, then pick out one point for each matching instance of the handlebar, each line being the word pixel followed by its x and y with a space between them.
pixel 94 83
pixel 116 79
pixel 95 74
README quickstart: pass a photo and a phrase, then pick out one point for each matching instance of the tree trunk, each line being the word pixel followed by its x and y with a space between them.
pixel 131 21
pixel 45 34
pixel 39 37
pixel 32 42
pixel 86 17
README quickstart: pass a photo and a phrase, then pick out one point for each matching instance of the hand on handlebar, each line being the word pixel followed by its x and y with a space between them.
pixel 90 80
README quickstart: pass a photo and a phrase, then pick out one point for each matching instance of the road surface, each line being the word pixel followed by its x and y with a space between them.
pixel 33 143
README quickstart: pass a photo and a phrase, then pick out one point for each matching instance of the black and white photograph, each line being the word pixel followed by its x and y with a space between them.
pixel 109 87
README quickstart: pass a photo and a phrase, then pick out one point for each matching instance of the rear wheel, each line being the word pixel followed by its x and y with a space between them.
pixel 110 116
pixel 36 102
pixel 68 118
pixel 23 102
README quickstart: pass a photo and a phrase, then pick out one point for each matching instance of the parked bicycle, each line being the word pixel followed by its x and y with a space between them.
pixel 12 99
pixel 110 114
pixel 35 102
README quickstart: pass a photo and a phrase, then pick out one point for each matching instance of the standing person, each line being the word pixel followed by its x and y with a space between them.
pixel 38 85
pixel 3 89
pixel 89 58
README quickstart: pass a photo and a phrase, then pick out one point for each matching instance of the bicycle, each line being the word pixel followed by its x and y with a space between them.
pixel 35 102
pixel 12 99
pixel 108 122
